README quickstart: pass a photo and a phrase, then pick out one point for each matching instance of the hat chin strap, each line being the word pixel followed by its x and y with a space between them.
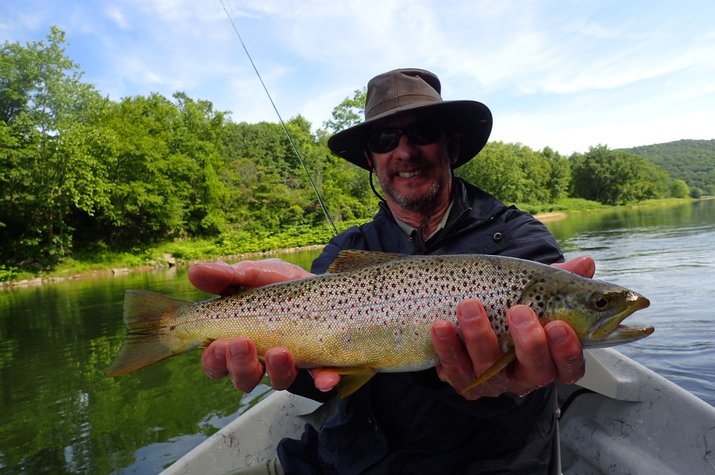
pixel 372 185
pixel 453 149
pixel 369 161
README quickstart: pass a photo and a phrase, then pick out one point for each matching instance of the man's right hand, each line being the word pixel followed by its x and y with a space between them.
pixel 238 358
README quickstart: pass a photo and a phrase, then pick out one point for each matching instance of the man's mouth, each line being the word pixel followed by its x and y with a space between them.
pixel 409 174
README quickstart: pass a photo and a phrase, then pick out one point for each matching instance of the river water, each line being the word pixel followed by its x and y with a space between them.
pixel 61 414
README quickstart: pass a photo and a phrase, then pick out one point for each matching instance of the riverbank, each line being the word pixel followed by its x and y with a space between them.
pixel 167 261
pixel 117 266
pixel 186 253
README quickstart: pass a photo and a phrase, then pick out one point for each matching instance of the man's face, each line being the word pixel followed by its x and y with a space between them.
pixel 413 176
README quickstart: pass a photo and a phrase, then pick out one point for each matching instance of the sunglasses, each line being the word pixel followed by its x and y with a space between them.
pixel 424 132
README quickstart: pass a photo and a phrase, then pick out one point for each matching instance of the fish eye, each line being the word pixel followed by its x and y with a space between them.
pixel 599 301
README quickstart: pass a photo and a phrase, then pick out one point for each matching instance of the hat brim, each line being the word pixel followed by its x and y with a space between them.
pixel 472 120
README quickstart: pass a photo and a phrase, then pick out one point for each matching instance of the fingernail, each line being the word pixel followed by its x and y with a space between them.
pixel 221 266
pixel 277 360
pixel 441 330
pixel 521 316
pixel 468 311
pixel 220 353
pixel 238 348
pixel 589 266
pixel 325 384
pixel 556 333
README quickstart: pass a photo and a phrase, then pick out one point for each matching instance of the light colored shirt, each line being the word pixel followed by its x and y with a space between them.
pixel 409 229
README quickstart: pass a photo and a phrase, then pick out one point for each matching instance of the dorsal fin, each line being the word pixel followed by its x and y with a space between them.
pixel 351 259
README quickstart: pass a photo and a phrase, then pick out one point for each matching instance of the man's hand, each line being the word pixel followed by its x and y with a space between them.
pixel 543 354
pixel 237 358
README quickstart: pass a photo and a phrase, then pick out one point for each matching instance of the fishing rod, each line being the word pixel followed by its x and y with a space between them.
pixel 285 128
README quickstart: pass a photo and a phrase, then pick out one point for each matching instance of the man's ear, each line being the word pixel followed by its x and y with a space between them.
pixel 368 158
pixel 453 148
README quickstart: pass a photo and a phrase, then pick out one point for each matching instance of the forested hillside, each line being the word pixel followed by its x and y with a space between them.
pixel 693 161
pixel 80 173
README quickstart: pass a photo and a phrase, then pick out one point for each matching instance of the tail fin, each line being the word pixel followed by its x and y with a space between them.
pixel 150 318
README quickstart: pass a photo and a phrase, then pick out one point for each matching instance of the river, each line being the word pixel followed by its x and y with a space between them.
pixel 61 414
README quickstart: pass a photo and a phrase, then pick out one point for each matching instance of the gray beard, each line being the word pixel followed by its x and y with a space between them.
pixel 419 204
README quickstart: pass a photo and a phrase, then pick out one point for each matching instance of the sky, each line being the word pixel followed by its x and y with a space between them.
pixel 567 74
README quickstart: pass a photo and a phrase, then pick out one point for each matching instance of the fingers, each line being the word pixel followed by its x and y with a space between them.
pixel 269 271
pixel 534 366
pixel 243 365
pixel 215 278
pixel 213 359
pixel 460 362
pixel 224 279
pixel 584 266
pixel 455 366
pixel 325 379
pixel 239 360
pixel 566 352
pixel 479 337
pixel 280 367
pixel 543 354
pixel 235 358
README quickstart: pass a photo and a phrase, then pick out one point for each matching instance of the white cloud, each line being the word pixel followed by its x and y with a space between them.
pixel 565 75
pixel 117 16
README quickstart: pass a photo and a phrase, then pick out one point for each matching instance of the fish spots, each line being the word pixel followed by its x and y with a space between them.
pixel 395 301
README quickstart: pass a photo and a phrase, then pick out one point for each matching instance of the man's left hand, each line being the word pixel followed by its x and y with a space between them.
pixel 543 353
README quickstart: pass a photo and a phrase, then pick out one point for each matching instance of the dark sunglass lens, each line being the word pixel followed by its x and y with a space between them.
pixel 423 133
pixel 419 133
pixel 384 141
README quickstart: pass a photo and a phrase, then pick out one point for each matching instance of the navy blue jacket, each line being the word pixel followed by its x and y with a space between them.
pixel 413 422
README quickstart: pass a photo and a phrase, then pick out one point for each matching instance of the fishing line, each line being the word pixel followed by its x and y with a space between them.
pixel 285 128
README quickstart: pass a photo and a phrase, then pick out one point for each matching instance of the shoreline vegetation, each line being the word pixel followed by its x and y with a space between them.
pixel 192 251
pixel 92 185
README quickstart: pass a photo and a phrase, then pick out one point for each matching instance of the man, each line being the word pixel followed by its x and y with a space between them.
pixel 421 422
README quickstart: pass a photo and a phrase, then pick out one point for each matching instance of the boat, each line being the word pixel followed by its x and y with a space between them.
pixel 621 418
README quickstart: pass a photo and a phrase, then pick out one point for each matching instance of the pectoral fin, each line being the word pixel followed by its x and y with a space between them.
pixel 493 370
pixel 352 379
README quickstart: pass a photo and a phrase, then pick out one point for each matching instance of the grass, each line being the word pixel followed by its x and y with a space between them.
pixel 233 243
pixel 563 205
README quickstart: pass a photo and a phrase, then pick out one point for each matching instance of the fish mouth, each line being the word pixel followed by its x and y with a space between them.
pixel 611 332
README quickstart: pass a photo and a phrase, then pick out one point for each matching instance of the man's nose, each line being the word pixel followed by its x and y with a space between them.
pixel 405 148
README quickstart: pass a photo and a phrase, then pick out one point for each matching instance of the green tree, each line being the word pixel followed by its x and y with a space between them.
pixel 511 172
pixel 48 164
pixel 692 161
pixel 560 175
pixel 196 143
pixel 348 113
pixel 615 177
pixel 147 187
pixel 261 166
pixel 679 189
pixel 164 170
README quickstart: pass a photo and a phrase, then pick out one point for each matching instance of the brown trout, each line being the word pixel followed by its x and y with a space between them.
pixel 373 312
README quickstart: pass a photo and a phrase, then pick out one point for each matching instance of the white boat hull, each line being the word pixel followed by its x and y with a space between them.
pixel 621 418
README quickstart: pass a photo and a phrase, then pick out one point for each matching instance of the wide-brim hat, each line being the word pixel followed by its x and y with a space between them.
pixel 413 90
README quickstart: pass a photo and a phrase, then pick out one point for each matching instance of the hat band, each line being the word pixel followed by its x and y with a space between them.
pixel 400 101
